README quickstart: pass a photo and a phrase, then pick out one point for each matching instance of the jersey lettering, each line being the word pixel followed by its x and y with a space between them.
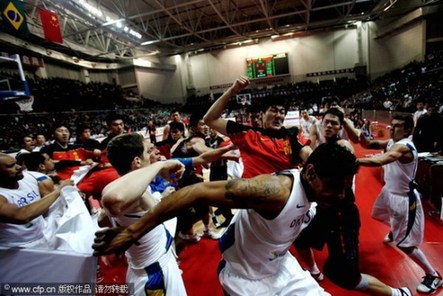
pixel 306 218
pixel 23 201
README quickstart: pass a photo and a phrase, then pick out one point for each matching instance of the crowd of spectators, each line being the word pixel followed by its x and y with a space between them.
pixel 76 102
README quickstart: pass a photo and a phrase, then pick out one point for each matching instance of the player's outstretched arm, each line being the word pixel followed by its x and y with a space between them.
pixel 397 152
pixel 121 194
pixel 267 194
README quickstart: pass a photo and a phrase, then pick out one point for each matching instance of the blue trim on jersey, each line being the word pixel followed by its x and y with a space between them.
pixel 220 266
pixel 42 178
pixel 412 212
pixel 227 239
pixel 410 147
pixel 169 238
pixel 186 161
pixel 155 285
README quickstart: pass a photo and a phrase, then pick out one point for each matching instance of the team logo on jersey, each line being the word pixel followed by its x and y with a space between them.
pixel 277 254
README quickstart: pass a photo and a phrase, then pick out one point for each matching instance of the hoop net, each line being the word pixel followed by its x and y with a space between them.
pixel 243 99
pixel 25 103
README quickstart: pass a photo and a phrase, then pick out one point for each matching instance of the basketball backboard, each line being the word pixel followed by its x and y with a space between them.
pixel 13 84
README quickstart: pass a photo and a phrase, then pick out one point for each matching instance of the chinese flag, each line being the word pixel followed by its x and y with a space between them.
pixel 51 26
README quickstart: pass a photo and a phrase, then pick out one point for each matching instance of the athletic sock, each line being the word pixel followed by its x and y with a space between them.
pixel 314 269
pixel 419 257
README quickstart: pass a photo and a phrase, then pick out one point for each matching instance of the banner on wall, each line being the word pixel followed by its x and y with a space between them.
pixel 330 72
pixel 27 61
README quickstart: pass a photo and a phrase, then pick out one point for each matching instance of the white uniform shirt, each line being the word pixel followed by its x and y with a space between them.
pixel 38 176
pixel 398 175
pixel 306 125
pixel 12 235
pixel 260 244
pixel 151 247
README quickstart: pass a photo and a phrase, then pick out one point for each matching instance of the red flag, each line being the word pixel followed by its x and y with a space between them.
pixel 51 26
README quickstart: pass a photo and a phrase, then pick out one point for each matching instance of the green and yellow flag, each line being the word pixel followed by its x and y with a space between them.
pixel 13 15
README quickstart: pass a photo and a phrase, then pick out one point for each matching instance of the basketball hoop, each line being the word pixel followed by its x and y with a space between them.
pixel 22 97
pixel 25 104
pixel 243 99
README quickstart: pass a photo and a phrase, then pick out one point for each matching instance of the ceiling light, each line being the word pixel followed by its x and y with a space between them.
pixel 149 42
pixel 100 16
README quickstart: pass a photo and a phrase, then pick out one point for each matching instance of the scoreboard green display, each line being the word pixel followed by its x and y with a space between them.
pixel 267 66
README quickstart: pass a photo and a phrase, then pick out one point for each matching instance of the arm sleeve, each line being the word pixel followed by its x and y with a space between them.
pixel 296 146
pixel 234 127
pixel 186 161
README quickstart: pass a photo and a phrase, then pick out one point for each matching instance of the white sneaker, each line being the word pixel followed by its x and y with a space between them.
pixel 211 234
pixel 430 284
pixel 193 238
pixel 389 238
pixel 403 291
pixel 318 276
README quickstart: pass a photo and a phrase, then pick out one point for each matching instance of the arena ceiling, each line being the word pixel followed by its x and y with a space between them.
pixel 168 27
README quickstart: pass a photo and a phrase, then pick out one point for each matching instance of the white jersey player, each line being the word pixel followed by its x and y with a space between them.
pixel 276 208
pixel 398 204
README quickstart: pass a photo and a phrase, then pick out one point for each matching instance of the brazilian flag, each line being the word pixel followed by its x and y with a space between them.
pixel 13 15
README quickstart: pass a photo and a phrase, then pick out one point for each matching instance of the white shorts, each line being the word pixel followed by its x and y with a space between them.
pixel 393 210
pixel 290 280
pixel 167 279
pixel 41 243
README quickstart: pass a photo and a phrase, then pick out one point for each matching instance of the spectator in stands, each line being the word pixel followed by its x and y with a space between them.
pixel 420 111
pixel 175 117
pixel 151 130
pixel 67 157
pixel 388 105
pixel 40 142
pixel 28 145
pixel 21 206
pixel 428 131
pixel 398 202
pixel 116 126
pixel 84 139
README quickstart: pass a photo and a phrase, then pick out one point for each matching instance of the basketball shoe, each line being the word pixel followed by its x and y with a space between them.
pixel 430 284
